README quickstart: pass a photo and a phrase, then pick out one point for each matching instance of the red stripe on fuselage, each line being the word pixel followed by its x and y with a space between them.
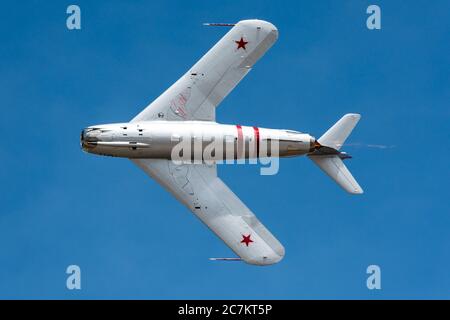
pixel 256 130
pixel 240 141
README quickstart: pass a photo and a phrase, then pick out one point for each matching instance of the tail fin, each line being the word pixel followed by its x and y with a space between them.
pixel 329 159
pixel 337 134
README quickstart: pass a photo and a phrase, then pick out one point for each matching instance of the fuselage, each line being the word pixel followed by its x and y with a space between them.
pixel 199 140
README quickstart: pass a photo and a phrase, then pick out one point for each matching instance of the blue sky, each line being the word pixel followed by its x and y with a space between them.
pixel 131 239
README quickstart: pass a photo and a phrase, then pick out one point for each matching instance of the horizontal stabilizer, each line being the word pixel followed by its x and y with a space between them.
pixel 335 168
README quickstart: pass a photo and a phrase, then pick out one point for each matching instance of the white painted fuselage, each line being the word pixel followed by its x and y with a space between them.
pixel 203 139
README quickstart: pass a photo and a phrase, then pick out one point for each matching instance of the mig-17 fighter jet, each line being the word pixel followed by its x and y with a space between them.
pixel 177 141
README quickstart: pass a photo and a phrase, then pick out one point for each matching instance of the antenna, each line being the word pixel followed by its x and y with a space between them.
pixel 225 259
pixel 208 24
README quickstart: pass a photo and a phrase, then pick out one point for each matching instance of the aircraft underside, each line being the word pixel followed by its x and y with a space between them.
pixel 177 142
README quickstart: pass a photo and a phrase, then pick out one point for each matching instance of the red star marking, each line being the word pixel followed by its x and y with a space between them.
pixel 246 239
pixel 241 43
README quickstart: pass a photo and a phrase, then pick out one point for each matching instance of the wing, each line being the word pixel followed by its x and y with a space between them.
pixel 198 188
pixel 197 93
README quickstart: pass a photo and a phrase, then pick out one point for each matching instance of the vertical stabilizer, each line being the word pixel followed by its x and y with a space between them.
pixel 337 134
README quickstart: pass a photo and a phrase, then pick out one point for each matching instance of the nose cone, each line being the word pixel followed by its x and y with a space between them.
pixel 88 138
pixel 82 136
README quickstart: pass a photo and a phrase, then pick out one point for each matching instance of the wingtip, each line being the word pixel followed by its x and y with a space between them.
pixel 356 190
pixel 353 115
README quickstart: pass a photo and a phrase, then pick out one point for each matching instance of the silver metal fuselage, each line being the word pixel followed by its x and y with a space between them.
pixel 159 140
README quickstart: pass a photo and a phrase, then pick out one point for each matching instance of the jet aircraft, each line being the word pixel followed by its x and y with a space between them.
pixel 177 141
